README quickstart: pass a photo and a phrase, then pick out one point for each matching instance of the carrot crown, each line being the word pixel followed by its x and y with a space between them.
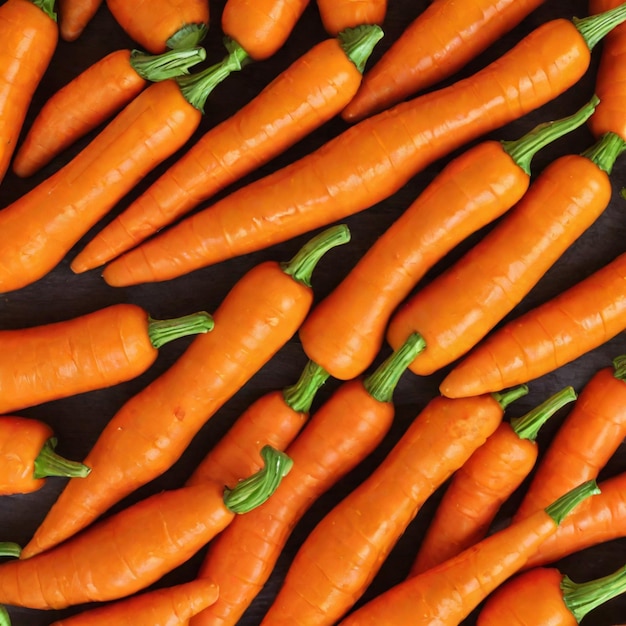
pixel 161 332
pixel 359 42
pixel 594 27
pixel 299 397
pixel 49 463
pixel 505 398
pixel 5 620
pixel 619 366
pixel 256 489
pixel 47 6
pixel 605 151
pixel 559 509
pixel 188 36
pixel 9 548
pixel 170 64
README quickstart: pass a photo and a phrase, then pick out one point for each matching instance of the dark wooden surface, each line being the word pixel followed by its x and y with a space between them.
pixel 61 295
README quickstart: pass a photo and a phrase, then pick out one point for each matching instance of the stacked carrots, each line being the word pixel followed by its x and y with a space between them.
pixel 413 187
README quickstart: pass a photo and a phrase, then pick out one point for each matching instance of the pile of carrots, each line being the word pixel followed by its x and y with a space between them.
pixel 313 312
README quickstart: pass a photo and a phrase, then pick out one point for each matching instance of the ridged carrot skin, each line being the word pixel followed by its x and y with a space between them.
pixel 437 43
pixel 74 15
pixel 338 15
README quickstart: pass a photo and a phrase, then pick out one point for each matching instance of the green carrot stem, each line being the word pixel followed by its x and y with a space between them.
pixel 594 27
pixel 47 6
pixel 619 366
pixel 256 489
pixel 170 64
pixel 161 332
pixel 561 507
pixel 359 42
pixel 5 620
pixel 301 266
pixel 507 397
pixel 49 463
pixel 299 396
pixel 9 548
pixel 382 382
pixel 605 151
pixel 189 36
pixel 523 150
pixel 527 426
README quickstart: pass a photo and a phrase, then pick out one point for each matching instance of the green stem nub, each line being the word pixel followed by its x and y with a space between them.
pixel 47 6
pixel 189 36
pixel 301 266
pixel 523 150
pixel 527 426
pixel 619 367
pixel 256 489
pixel 299 397
pixel 605 151
pixel 507 397
pixel 5 620
pixel 170 64
pixel 561 507
pixel 359 42
pixel 595 27
pixel 161 332
pixel 49 463
pixel 9 548
pixel 382 382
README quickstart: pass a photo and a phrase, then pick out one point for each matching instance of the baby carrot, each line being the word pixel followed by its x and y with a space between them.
pixel 343 553
pixel 460 306
pixel 74 15
pixel 27 456
pixel 479 488
pixel 338 15
pixel 346 329
pixel 152 429
pixel 92 351
pixel 341 433
pixel 389 148
pixel 303 97
pixel 130 550
pixel 447 593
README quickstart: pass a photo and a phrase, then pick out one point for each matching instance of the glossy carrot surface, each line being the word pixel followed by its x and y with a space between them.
pixel 338 15
pixel 74 15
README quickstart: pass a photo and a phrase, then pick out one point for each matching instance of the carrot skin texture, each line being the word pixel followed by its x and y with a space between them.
pixel 74 15
pixel 317 190
pixel 339 15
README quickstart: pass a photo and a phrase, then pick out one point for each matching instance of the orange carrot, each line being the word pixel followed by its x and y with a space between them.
pixel 303 97
pixel 389 149
pixel 92 351
pixel 338 15
pixel 91 98
pixel 341 433
pixel 447 594
pixel 479 488
pixel 458 308
pixel 132 549
pixel 343 553
pixel 437 43
pixel 74 16
pixel 27 456
pixel 149 433
pixel 29 36
pixel 346 329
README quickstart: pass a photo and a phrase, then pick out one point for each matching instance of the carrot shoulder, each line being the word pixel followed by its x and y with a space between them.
pixel 338 15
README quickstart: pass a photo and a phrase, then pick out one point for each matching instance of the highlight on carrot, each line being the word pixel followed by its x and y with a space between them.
pixel 338 15
pixel 74 15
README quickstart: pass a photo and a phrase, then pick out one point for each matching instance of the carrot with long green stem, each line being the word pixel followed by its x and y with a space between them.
pixel 74 15
pixel 479 488
pixel 338 15
pixel 303 97
pixel 261 312
pixel 344 331
pixel 389 148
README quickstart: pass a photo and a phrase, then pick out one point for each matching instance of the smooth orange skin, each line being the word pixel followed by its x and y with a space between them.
pixel 74 15
pixel 337 15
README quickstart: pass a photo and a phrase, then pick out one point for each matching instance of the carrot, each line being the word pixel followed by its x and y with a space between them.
pixel 92 351
pixel 74 17
pixel 439 42
pixel 29 36
pixel 91 98
pixel 546 337
pixel 479 488
pixel 158 25
pixel 133 548
pixel 446 594
pixel 459 307
pixel 341 433
pixel 346 329
pixel 150 431
pixel 390 148
pixel 40 227
pixel 165 607
pixel 546 596
pixel 343 553
pixel 303 97
pixel 341 14
pixel 27 456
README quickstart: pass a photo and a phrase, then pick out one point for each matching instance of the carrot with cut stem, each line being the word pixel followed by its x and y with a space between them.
pixel 92 351
pixel 346 329
pixel 338 15
pixel 74 15
pixel 152 429
pixel 325 186
pixel 303 97
pixel 340 434
pixel 479 488
pixel 449 592
pixel 128 551
pixel 91 98
pixel 459 307
pixel 343 553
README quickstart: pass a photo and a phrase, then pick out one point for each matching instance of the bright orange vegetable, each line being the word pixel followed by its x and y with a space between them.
pixel 74 15
pixel 343 553
pixel 393 146
pixel 151 430
pixel 93 351
pixel 449 592
pixel 27 456
pixel 459 307
pixel 437 43
pixel 345 331
pixel 29 36
pixel 310 92
pixel 341 433
pixel 479 488
pixel 338 15
pixel 130 550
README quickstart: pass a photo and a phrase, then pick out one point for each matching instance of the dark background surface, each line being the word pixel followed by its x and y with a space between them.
pixel 61 295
